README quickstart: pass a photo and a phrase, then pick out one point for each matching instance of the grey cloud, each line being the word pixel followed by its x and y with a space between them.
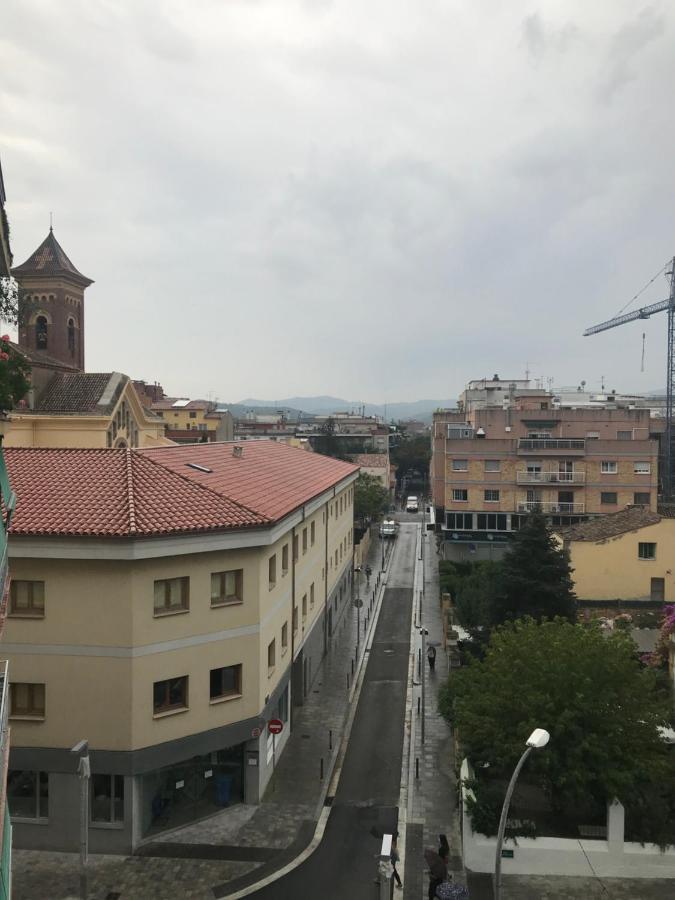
pixel 628 43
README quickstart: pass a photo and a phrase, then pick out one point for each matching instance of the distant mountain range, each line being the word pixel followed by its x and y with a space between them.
pixel 416 409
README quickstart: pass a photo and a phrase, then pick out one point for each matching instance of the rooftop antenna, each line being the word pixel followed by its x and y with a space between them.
pixel 51 221
pixel 527 371
pixel 602 383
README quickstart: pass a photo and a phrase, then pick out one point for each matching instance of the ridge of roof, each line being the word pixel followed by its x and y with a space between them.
pixel 51 259
pixel 130 491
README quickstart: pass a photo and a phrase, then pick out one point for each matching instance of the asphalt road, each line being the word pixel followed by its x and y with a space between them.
pixel 344 865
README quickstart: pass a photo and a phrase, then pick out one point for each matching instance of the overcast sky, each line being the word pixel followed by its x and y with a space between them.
pixel 374 200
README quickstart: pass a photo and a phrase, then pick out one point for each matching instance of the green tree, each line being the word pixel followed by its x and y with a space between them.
pixel 535 578
pixel 589 691
pixel 327 443
pixel 371 498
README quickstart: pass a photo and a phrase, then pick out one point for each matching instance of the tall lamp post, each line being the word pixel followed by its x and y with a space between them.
pixel 538 739
pixel 81 750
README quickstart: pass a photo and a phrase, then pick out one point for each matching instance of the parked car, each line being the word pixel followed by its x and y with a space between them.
pixel 412 505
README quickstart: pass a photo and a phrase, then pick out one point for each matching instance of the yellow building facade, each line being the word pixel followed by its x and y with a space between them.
pixel 171 642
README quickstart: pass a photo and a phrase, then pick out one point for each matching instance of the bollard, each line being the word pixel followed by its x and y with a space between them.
pixel 321 770
pixel 419 701
pixel 352 667
pixel 419 663
pixel 417 768
pixel 330 739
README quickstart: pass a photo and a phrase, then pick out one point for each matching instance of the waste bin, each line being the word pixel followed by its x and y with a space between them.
pixel 223 789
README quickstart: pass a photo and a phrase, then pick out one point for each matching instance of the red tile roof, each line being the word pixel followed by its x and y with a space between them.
pixel 113 493
pixel 271 478
pixel 127 493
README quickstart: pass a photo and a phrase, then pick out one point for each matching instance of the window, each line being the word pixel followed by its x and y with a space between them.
pixel 492 465
pixel 28 794
pixel 227 587
pixel 311 596
pixel 323 573
pixel 491 522
pixel 172 595
pixel 272 570
pixel 271 655
pixel 27 701
pixel 304 541
pixel 460 495
pixel 491 496
pixel 608 467
pixel 284 638
pixel 304 607
pixel 225 682
pixel 336 559
pixel 295 619
pixel 312 533
pixel 460 521
pixel 608 497
pixel 460 465
pixel 71 337
pixel 642 499
pixel 41 333
pixel 642 468
pixel 107 798
pixel 170 695
pixel 284 560
pixel 27 598
pixel 646 551
pixel 624 435
pixel 295 548
pixel 192 414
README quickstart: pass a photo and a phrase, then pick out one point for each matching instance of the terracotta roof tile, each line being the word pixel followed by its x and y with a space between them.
pixel 270 478
pixel 611 525
pixel 369 460
pixel 128 493
pixel 113 493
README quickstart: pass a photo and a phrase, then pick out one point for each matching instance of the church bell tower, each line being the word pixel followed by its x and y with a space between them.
pixel 52 306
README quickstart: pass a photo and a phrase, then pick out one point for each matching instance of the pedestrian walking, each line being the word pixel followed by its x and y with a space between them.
pixel 438 869
pixel 431 656
pixel 394 859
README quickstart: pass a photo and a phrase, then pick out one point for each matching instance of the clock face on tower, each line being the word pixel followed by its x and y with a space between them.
pixel 51 302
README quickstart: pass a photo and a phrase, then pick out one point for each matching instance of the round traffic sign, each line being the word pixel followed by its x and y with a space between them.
pixel 275 726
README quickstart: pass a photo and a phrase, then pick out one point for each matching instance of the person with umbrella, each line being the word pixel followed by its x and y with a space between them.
pixel 438 869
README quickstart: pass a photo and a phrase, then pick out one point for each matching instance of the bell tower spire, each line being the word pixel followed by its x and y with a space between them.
pixel 52 296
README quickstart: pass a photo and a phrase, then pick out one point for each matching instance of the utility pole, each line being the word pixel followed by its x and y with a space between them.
pixel 81 750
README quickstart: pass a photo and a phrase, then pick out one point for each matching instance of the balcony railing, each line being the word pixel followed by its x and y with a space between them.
pixel 551 444
pixel 551 477
pixel 526 506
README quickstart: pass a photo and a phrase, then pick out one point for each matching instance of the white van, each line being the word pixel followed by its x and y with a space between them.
pixel 411 505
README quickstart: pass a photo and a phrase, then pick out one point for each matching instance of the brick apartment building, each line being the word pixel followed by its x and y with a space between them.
pixel 492 464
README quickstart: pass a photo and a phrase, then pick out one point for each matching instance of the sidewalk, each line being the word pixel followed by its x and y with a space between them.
pixel 432 805
pixel 224 852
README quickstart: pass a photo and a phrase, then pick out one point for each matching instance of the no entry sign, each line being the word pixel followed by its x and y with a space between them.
pixel 275 726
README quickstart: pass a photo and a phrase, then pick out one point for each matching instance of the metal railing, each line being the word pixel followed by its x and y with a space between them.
pixel 526 506
pixel 551 477
pixel 551 443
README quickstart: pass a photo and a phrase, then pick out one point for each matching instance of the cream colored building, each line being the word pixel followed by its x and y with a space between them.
pixel 86 409
pixel 166 605
pixel 626 556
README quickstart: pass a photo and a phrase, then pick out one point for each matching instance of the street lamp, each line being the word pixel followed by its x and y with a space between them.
pixel 81 750
pixel 538 739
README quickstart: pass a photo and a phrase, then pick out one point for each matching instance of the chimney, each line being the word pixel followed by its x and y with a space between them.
pixel 237 451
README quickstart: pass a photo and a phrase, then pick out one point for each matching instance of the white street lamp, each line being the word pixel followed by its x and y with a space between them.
pixel 538 739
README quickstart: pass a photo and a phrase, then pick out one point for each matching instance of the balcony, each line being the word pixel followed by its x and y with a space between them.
pixel 565 509
pixel 530 445
pixel 551 477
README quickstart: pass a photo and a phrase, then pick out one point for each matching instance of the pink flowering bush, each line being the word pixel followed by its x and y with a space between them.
pixel 658 658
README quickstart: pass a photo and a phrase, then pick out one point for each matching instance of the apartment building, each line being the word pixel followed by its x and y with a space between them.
pixel 165 605
pixel 493 464
pixel 191 421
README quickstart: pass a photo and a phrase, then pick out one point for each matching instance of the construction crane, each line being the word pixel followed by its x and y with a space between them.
pixel 668 454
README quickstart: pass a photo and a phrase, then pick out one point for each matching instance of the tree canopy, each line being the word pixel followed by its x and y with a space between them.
pixel 589 691
pixel 371 498
pixel 411 453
